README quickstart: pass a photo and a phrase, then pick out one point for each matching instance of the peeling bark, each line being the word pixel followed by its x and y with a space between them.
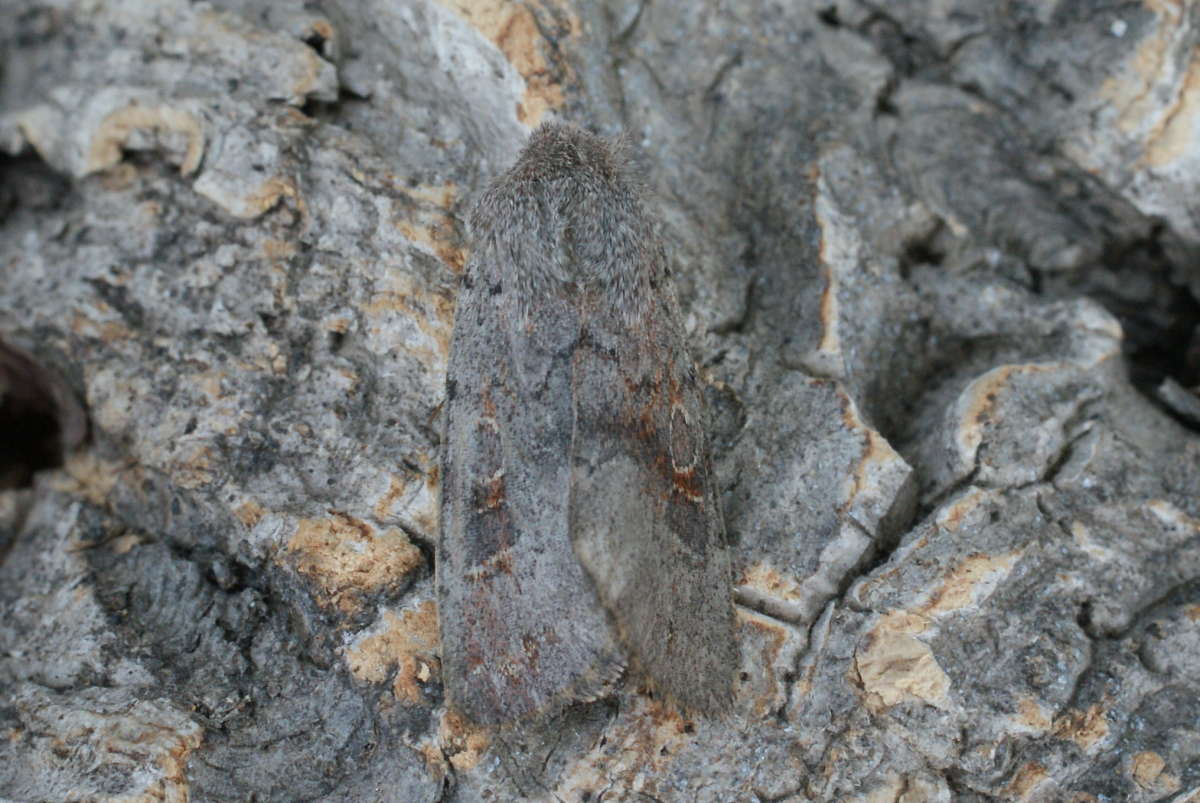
pixel 937 260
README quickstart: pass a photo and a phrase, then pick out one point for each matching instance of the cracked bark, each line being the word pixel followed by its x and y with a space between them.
pixel 939 265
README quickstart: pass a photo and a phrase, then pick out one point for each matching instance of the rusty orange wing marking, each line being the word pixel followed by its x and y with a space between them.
pixel 645 517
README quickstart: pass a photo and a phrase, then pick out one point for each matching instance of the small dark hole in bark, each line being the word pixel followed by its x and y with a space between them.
pixel 40 421
pixel 317 43
pixel 1084 617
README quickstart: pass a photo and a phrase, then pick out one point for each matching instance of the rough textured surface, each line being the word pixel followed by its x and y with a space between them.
pixel 938 262
pixel 581 533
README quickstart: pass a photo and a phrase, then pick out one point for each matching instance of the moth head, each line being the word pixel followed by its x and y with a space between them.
pixel 564 150
pixel 569 217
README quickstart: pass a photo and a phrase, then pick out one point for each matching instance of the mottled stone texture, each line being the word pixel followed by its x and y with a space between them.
pixel 939 262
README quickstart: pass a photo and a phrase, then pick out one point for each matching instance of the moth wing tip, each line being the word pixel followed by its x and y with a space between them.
pixel 589 687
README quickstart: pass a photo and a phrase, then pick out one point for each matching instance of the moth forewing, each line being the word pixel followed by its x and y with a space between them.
pixel 580 524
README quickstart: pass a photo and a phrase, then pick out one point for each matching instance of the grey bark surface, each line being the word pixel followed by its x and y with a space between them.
pixel 938 264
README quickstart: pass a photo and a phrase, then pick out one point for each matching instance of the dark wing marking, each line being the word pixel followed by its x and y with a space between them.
pixel 522 632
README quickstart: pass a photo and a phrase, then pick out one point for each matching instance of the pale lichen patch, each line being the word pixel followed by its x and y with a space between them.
pixel 901 788
pixel 895 665
pixel 87 475
pixel 195 467
pixel 1032 716
pixel 969 582
pixel 976 404
pixel 836 250
pixel 1156 100
pixel 249 513
pixel 397 488
pixel 109 138
pixel 407 642
pixel 1148 770
pixel 1171 516
pixel 632 759
pixel 463 742
pixel 148 742
pixel 348 558
pixel 1174 138
pixel 889 790
pixel 769 649
pixel 240 192
pixel 428 317
pixel 877 482
pixel 412 496
pixel 1025 782
pixel 952 516
pixel 1082 536
pixel 109 329
pixel 764 580
pixel 513 29
pixel 431 225
pixel 122 544
pixel 1085 728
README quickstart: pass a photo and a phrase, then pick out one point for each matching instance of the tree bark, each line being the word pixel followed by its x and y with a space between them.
pixel 938 263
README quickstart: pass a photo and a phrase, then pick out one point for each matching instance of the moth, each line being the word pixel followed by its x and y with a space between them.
pixel 580 528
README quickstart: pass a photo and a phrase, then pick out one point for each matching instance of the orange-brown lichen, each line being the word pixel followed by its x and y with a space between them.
pixel 430 312
pixel 963 584
pixel 383 505
pixel 765 643
pixel 1032 715
pixel 876 455
pixel 109 329
pixel 106 147
pixel 249 512
pixel 1145 767
pixel 894 664
pixel 428 222
pixel 278 250
pixel 513 29
pixel 463 742
pixel 84 474
pixel 977 402
pixel 768 581
pixel 951 517
pixel 1025 781
pixel 348 558
pixel 1084 728
pixel 407 642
